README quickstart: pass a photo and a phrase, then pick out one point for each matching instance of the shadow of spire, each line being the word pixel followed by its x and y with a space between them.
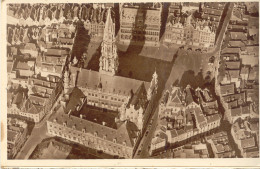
pixel 137 37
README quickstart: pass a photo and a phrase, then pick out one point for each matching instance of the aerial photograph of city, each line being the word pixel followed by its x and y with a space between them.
pixel 158 80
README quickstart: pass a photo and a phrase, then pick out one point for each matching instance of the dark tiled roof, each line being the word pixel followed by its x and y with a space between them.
pixel 113 84
pixel 139 98
pixel 190 96
pixel 75 96
pixel 125 133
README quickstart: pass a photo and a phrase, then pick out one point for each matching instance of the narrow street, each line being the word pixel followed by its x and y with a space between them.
pixel 146 140
pixel 38 133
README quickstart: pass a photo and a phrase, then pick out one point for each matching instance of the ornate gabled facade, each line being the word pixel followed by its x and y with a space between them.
pixel 94 17
pixel 187 30
pixel 108 62
pixel 140 23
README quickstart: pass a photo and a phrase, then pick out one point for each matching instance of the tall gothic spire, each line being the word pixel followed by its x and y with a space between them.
pixel 108 62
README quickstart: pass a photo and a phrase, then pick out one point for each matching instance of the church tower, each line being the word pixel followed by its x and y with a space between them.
pixel 108 62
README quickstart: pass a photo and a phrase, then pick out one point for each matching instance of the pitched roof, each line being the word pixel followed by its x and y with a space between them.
pixel 22 66
pixel 56 52
pixel 212 118
pixel 227 89
pixel 230 50
pixel 190 96
pixel 125 133
pixel 174 133
pixel 234 73
pixel 238 36
pixel 248 142
pixel 199 116
pixel 30 46
pixel 140 98
pixel 112 84
pixel 9 66
pixel 232 64
pixel 244 70
pixel 75 96
pixel 236 112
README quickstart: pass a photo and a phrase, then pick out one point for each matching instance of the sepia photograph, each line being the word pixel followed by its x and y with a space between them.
pixel 140 80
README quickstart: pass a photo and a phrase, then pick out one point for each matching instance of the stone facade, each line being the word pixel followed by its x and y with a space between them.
pixel 140 23
pixel 189 32
pixel 108 62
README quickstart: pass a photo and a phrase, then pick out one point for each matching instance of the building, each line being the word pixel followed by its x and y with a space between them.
pixel 175 8
pixel 94 19
pixel 250 55
pixel 191 151
pixel 16 136
pixel 185 114
pixel 244 134
pixel 140 23
pixel 220 145
pixel 188 30
pixel 190 6
pixel 51 62
pixel 213 11
pixel 24 69
pixel 102 110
